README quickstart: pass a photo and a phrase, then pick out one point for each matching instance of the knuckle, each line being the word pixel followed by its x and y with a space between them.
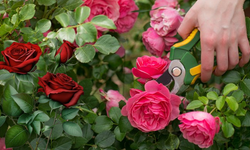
pixel 207 68
pixel 209 41
pixel 234 62
pixel 222 68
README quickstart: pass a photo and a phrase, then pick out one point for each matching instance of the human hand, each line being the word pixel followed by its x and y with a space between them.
pixel 222 30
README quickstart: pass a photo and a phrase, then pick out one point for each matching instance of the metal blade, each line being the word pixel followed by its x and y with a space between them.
pixel 165 78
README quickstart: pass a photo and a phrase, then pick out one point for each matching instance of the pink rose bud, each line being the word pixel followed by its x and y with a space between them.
pixel 5 15
pixel 149 68
pixel 121 51
pixel 164 3
pixel 199 127
pixel 153 42
pixel 46 33
pixel 2 144
pixel 165 21
pixel 127 17
pixel 109 8
pixel 152 109
pixel 113 98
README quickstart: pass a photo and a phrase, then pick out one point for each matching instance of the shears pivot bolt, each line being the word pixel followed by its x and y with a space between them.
pixel 176 71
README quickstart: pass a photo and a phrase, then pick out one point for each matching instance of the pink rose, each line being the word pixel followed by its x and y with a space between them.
pixel 109 8
pixel 149 68
pixel 165 21
pixel 153 42
pixel 127 18
pixel 121 51
pixel 199 127
pixel 113 98
pixel 164 3
pixel 152 109
pixel 5 15
pixel 2 145
pixel 169 42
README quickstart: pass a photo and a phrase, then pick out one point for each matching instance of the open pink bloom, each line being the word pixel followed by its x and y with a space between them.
pixel 199 127
pixel 109 8
pixel 113 98
pixel 153 42
pixel 2 145
pixel 169 42
pixel 127 18
pixel 165 21
pixel 149 68
pixel 152 109
pixel 164 3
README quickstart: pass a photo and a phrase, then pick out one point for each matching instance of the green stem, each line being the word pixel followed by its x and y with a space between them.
pixel 213 110
pixel 51 11
pixel 45 10
pixel 38 141
pixel 30 145
pixel 86 110
pixel 50 132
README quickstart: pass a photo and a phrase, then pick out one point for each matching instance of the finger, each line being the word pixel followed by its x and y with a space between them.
pixel 233 55
pixel 222 59
pixel 245 50
pixel 207 56
pixel 188 24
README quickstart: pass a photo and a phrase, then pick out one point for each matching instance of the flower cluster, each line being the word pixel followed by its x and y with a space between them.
pixel 165 20
pixel 120 11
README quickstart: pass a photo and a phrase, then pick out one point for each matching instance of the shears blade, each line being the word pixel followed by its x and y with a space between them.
pixel 165 78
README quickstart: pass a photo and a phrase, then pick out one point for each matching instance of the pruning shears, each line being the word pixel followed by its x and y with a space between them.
pixel 184 68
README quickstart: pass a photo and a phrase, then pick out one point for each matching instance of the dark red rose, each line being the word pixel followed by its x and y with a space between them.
pixel 66 51
pixel 60 88
pixel 20 57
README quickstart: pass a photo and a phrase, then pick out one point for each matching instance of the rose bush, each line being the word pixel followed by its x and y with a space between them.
pixel 56 55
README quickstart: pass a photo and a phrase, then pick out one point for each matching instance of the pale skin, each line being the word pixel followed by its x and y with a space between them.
pixel 222 31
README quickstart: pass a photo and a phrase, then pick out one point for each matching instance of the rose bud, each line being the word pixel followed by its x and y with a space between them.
pixel 60 88
pixel 153 42
pixel 149 68
pixel 152 109
pixel 113 98
pixel 20 58
pixel 199 127
pixel 165 20
pixel 2 145
pixel 66 51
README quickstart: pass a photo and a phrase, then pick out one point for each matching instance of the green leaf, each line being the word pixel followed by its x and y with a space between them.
pixel 4 28
pixel 42 143
pixel 212 95
pixel 99 71
pixel 9 106
pixel 69 113
pixel 5 75
pixel 203 99
pixel 220 102
pixel 43 25
pixel 92 102
pixel 14 19
pixel 57 129
pixel 63 19
pixel 46 2
pixel 63 143
pixel 232 103
pixel 72 128
pixel 87 132
pixel 2 120
pixel 241 111
pixel 70 4
pixel 41 117
pixel 52 35
pixel 103 123
pixel 36 126
pixel 229 88
pixel 246 120
pixel 54 104
pixel 86 84
pixel 234 120
pixel 172 142
pixel 231 77
pixel 228 129
pixel 24 101
pixel 16 136
pixel 43 99
pixel 114 61
pixel 86 33
pixel 81 14
pixel 194 104
pixel 67 34
pixel 107 44
pixel 27 12
pixel 115 114
pixel 24 118
pixel 90 118
pixel 245 86
pixel 118 135
pixel 124 125
pixel 238 95
pixel 105 139
pixel 103 21
pixel 85 54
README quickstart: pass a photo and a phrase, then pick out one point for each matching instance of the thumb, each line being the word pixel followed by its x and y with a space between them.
pixel 188 24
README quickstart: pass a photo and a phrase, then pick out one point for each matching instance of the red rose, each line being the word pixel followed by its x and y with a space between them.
pixel 66 51
pixel 60 88
pixel 20 57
